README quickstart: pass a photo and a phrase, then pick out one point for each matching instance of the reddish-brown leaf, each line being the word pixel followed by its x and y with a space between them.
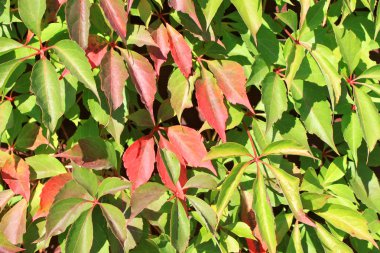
pixel 143 76
pixel 187 7
pixel 96 49
pixel 231 80
pixel 16 174
pixel 13 223
pixel 159 54
pixel 180 50
pixel 210 102
pixel 78 21
pixel 116 15
pixel 189 144
pixel 113 74
pixel 139 161
pixel 52 8
pixel 163 172
pixel 49 191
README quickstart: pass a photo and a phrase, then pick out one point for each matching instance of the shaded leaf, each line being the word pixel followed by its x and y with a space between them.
pixel 329 242
pixel 201 181
pixel 80 236
pixel 87 179
pixel 179 227
pixel 207 213
pixel 116 220
pixel 187 7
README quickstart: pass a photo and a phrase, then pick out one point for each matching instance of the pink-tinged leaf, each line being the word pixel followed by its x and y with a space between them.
pixel 96 50
pixel 187 7
pixel 116 15
pixel 13 223
pixel 6 246
pixel 31 137
pixel 113 75
pixel 78 21
pixel 139 161
pixel 159 54
pixel 129 5
pixel 16 174
pixel 210 102
pixel 180 50
pixel 5 196
pixel 49 191
pixel 163 172
pixel 29 37
pixel 189 144
pixel 231 80
pixel 143 77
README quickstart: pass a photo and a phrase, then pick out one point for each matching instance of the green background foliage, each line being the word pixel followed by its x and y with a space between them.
pixel 189 126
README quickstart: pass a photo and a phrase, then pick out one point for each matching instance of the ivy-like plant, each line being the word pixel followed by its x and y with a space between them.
pixel 189 126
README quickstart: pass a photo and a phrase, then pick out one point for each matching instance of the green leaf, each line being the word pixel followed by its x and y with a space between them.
pixel 251 13
pixel 333 79
pixel 116 221
pixel 86 178
pixel 241 229
pixel 31 13
pixel 295 245
pixel 179 227
pixel 290 187
pixel 263 212
pixel 289 18
pixel 112 185
pixel 349 46
pixel 315 111
pixel 377 23
pixel 44 166
pixel 46 86
pixel 294 60
pixel 371 73
pixel 5 116
pixel 314 201
pixel 274 98
pixel 329 242
pixel 347 220
pixel 63 213
pixel 180 91
pixel 73 57
pixel 285 147
pixel 171 163
pixel 352 132
pixel 6 70
pixel 225 150
pixel 144 195
pixel 228 188
pixel 336 170
pixel 368 117
pixel 201 181
pixel 207 213
pixel 80 236
pixel 7 45
pixel 210 9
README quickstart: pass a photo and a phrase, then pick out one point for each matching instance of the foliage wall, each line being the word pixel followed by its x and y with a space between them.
pixel 189 126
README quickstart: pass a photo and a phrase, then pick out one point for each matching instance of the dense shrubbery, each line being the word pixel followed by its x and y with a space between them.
pixel 189 126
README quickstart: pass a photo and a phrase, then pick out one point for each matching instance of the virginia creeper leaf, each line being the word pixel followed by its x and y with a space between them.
pixel 185 6
pixel 116 220
pixel 117 16
pixel 13 223
pixel 159 54
pixel 225 150
pixel 179 227
pixel 31 13
pixel 80 236
pixel 78 21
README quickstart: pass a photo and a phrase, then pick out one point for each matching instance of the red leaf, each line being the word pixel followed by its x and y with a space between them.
pixel 78 21
pixel 96 49
pixel 116 15
pixel 231 80
pixel 210 102
pixel 49 191
pixel 186 6
pixel 113 75
pixel 139 161
pixel 190 145
pixel 163 172
pixel 159 54
pixel 180 50
pixel 143 76
pixel 16 174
